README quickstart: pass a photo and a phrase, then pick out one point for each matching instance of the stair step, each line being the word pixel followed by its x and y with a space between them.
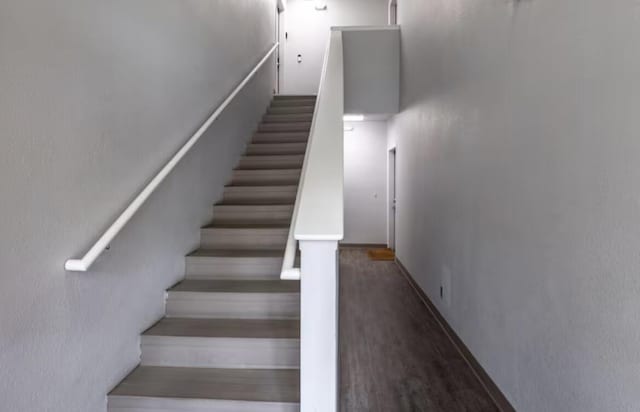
pixel 164 389
pixel 285 127
pixel 259 195
pixel 271 162
pixel 293 102
pixel 267 177
pixel 238 264
pixel 251 213
pixel 245 236
pixel 237 299
pixel 257 149
pixel 222 343
pixel 292 109
pixel 237 286
pixel 294 96
pixel 281 137
pixel 286 118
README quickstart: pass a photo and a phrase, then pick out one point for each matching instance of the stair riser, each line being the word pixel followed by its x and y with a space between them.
pixel 265 177
pixel 226 353
pixel 287 137
pixel 207 267
pixel 287 118
pixel 293 103
pixel 276 149
pixel 233 305
pixel 240 213
pixel 244 239
pixel 271 162
pixel 279 97
pixel 285 127
pixel 292 110
pixel 248 194
pixel 151 404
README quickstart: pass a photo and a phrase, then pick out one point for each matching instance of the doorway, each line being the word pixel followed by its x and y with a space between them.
pixel 391 185
pixel 279 51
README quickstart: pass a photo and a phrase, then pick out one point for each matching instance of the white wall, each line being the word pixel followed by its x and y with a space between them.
pixel 94 98
pixel 365 184
pixel 308 32
pixel 372 70
pixel 518 168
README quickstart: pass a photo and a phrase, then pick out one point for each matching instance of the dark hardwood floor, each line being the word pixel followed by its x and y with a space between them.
pixel 394 357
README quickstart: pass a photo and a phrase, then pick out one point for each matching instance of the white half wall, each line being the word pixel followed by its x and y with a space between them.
pixel 94 98
pixel 308 33
pixel 365 182
pixel 372 70
pixel 518 160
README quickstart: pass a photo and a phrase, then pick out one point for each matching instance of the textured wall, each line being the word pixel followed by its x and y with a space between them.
pixel 518 166
pixel 365 184
pixel 94 97
pixel 372 70
pixel 308 32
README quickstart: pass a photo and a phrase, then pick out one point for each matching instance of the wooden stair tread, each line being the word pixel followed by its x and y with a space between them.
pixel 226 328
pixel 256 202
pixel 237 286
pixel 264 188
pixel 257 385
pixel 294 96
pixel 238 253
pixel 249 224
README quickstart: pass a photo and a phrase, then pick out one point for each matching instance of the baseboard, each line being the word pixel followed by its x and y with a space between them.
pixel 364 245
pixel 489 385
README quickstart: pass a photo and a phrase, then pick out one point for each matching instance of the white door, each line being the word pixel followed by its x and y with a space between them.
pixel 278 26
pixel 307 32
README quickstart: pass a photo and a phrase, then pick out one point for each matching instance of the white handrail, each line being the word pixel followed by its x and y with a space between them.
pixel 318 210
pixel 83 264
pixel 289 271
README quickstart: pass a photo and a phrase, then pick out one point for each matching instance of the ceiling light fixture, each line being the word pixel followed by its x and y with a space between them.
pixel 353 117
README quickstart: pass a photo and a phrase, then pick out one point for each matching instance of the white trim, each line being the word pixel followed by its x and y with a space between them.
pixel 392 193
pixel 392 17
pixel 83 264
pixel 318 210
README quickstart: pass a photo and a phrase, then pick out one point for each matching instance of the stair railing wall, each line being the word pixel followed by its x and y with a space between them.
pixel 318 225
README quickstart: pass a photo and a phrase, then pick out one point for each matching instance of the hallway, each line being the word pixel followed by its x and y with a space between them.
pixel 393 354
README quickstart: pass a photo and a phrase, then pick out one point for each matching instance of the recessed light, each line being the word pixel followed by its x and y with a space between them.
pixel 320 5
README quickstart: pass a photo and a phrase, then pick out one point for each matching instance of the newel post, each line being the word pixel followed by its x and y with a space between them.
pixel 319 326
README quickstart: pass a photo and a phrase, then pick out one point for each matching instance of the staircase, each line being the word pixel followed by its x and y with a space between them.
pixel 230 340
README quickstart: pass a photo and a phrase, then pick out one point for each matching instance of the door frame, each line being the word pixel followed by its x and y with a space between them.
pixel 280 38
pixel 391 197
pixel 393 12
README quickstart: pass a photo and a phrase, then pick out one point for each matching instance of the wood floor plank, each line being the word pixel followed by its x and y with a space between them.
pixel 393 354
